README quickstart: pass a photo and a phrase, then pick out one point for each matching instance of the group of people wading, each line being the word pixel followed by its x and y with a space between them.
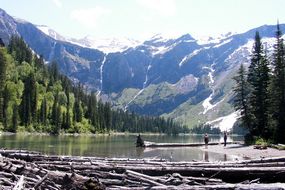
pixel 206 139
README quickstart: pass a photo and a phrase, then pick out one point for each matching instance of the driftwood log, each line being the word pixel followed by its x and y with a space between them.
pixel 32 170
pixel 159 145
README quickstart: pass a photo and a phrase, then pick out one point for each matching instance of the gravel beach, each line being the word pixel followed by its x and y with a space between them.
pixel 247 152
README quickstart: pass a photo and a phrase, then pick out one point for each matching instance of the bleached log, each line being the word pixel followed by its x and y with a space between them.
pixel 20 184
pixel 143 178
pixel 38 184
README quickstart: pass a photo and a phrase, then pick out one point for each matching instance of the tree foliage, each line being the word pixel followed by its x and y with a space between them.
pixel 260 92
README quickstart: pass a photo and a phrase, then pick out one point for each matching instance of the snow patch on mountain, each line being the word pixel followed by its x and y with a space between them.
pixel 207 102
pixel 225 123
pixel 50 32
pixel 242 52
pixel 223 43
pixel 218 39
pixel 191 55
pixel 107 45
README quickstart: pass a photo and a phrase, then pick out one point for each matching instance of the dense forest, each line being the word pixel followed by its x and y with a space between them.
pixel 34 96
pixel 260 92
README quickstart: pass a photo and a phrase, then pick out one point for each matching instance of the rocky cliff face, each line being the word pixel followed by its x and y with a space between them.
pixel 184 78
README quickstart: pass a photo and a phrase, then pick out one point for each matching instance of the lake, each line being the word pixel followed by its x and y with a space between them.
pixel 115 146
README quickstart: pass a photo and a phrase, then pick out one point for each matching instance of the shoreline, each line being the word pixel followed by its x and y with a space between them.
pixel 244 151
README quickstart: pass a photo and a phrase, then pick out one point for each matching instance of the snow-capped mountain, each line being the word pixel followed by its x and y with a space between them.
pixel 217 39
pixel 106 45
pixel 183 77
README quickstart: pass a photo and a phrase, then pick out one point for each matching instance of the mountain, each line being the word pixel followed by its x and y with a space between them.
pixel 105 45
pixel 182 77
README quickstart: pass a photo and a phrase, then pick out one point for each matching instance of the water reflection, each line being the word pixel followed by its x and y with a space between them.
pixel 113 146
pixel 139 152
pixel 225 157
pixel 206 156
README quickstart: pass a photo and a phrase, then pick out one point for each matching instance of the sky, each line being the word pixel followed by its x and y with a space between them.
pixel 141 19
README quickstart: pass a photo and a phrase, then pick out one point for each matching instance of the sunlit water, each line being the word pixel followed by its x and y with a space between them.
pixel 115 146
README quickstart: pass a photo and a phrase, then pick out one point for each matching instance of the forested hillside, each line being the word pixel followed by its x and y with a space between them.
pixel 36 97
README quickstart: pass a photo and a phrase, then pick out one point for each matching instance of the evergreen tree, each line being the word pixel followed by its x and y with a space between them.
pixel 14 118
pixel 54 111
pixel 56 116
pixel 29 101
pixel 67 123
pixel 3 67
pixel 34 99
pixel 43 112
pixel 241 97
pixel 91 113
pixel 6 100
pixel 278 88
pixel 25 106
pixel 19 49
pixel 258 78
pixel 77 112
pixel 107 117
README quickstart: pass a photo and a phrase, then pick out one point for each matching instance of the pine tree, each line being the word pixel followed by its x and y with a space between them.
pixel 6 99
pixel 19 49
pixel 15 118
pixel 34 99
pixel 56 116
pixel 91 113
pixel 58 119
pixel 43 112
pixel 241 97
pixel 25 106
pixel 67 117
pixel 54 110
pixel 3 67
pixel 278 88
pixel 77 112
pixel 258 78
pixel 107 117
pixel 29 101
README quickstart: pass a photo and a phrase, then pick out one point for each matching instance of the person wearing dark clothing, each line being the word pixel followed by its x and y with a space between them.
pixel 225 138
pixel 206 140
pixel 140 142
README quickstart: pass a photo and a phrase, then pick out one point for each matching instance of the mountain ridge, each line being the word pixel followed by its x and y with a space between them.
pixel 144 78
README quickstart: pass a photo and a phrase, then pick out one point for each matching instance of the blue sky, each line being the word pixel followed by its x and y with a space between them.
pixel 140 19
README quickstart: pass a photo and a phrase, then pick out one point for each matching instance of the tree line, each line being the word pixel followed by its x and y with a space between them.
pixel 35 96
pixel 259 94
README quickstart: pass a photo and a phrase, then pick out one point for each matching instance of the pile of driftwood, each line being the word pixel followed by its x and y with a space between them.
pixel 32 170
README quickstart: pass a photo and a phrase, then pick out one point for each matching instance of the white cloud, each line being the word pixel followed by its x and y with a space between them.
pixel 91 16
pixel 162 7
pixel 57 3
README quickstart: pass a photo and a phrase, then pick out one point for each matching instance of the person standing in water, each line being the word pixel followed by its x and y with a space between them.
pixel 140 141
pixel 225 138
pixel 206 140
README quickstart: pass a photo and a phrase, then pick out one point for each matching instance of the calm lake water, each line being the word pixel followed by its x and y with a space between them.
pixel 115 146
